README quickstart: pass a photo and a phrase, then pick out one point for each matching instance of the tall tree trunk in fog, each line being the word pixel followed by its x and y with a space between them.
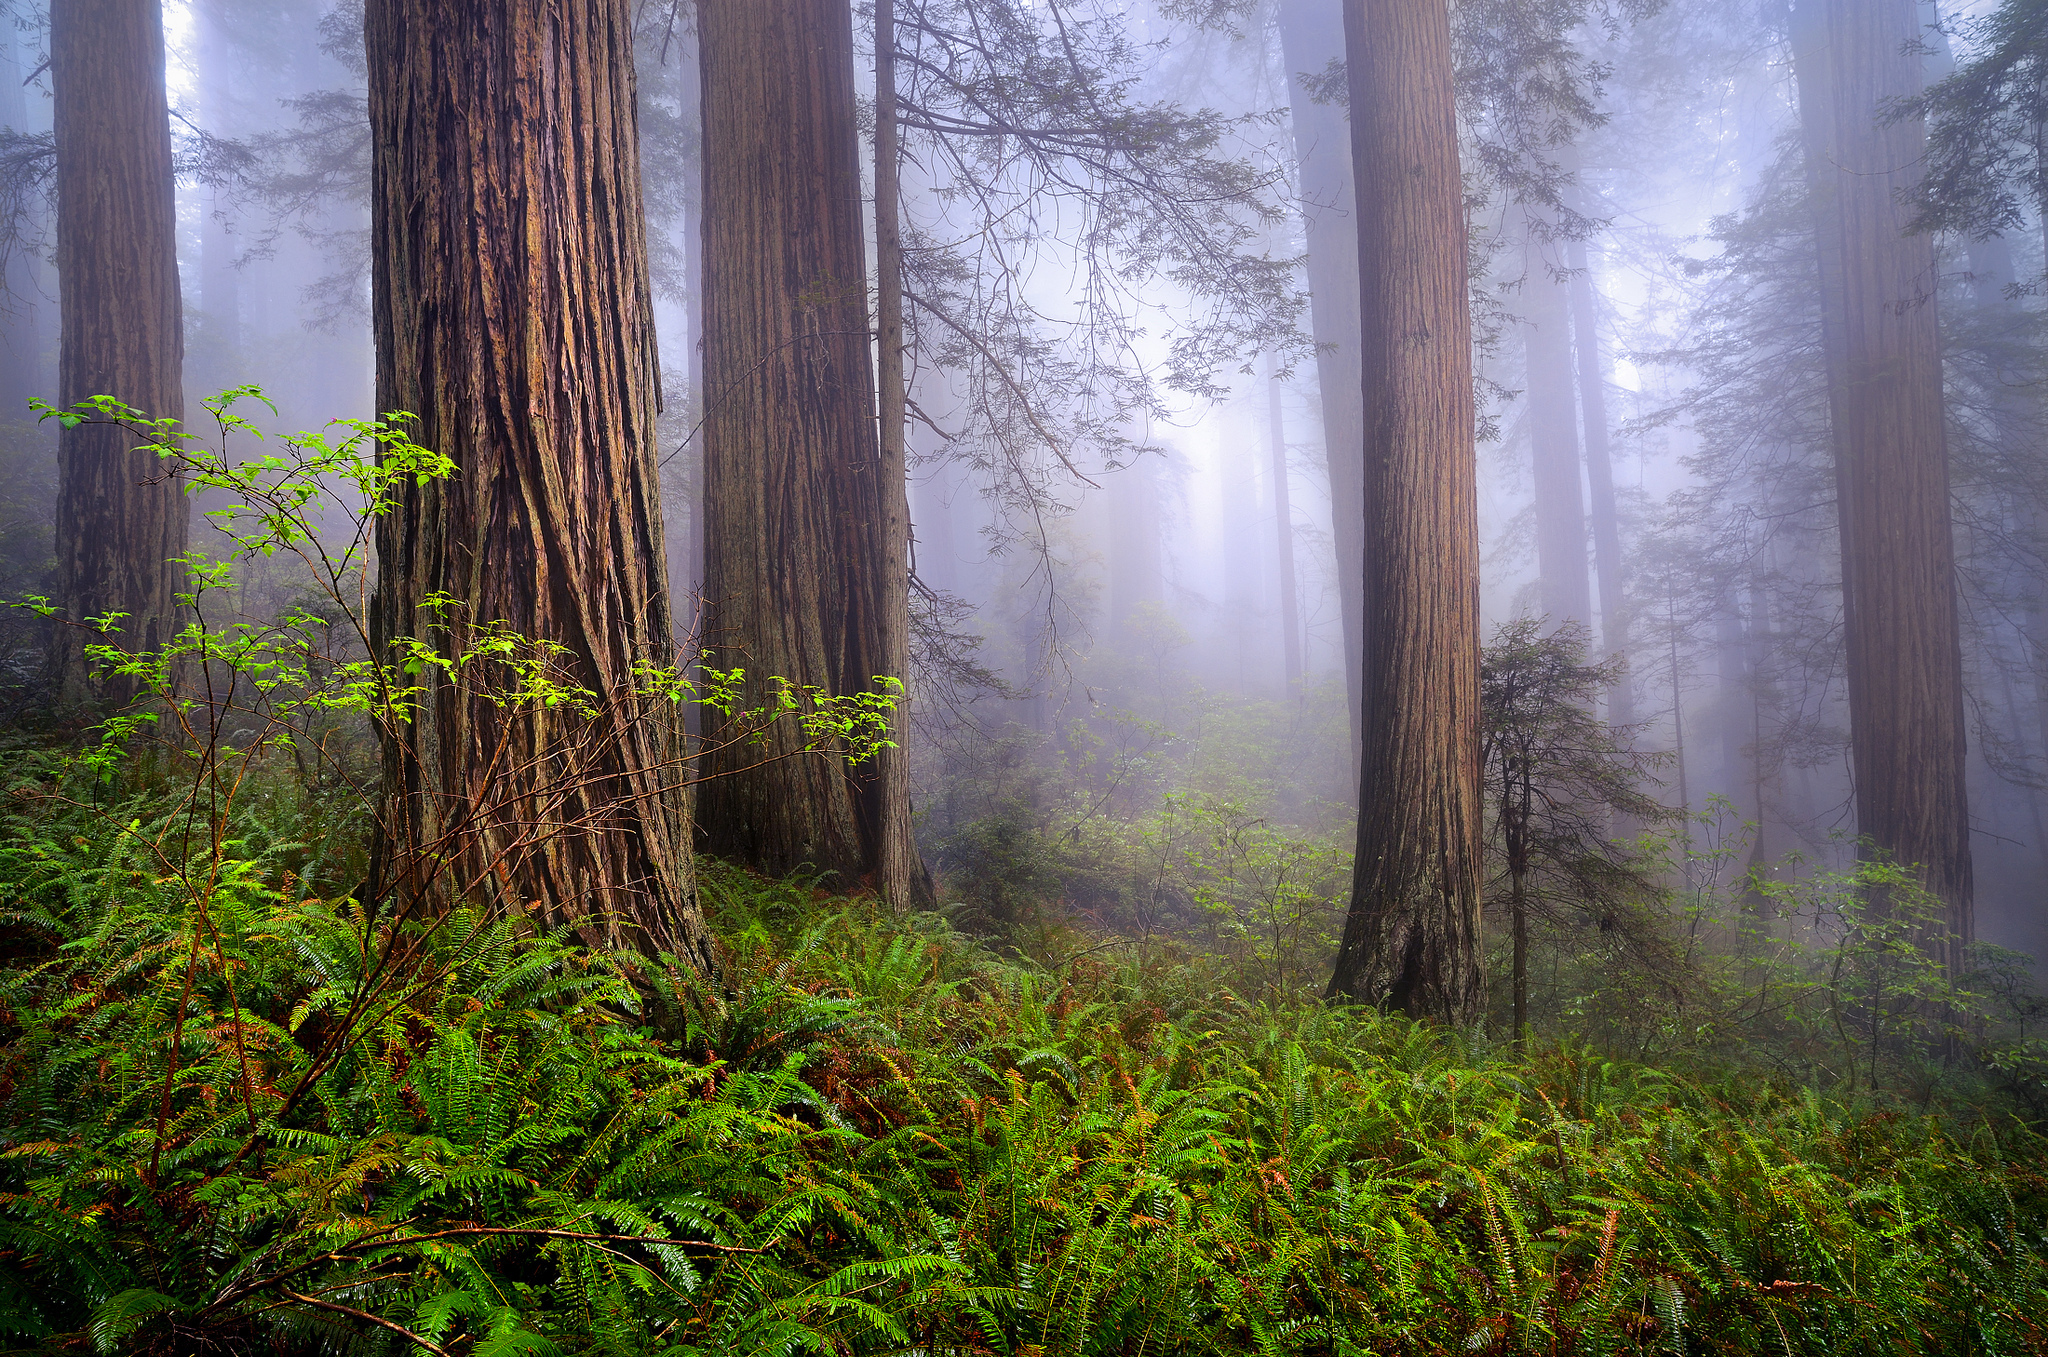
pixel 1891 454
pixel 1606 517
pixel 686 569
pixel 121 520
pixel 1311 33
pixel 22 375
pixel 898 872
pixel 1136 574
pixel 219 290
pixel 796 549
pixel 1411 937
pixel 1283 522
pixel 513 314
pixel 1554 436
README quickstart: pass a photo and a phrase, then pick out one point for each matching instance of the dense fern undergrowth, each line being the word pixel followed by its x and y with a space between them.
pixel 872 1134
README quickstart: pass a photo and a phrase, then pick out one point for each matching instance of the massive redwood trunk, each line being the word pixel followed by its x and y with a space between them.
pixel 1411 939
pixel 513 316
pixel 799 574
pixel 1311 33
pixel 121 521
pixel 1890 445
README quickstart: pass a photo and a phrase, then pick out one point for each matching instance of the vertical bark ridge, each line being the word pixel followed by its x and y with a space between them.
pixel 514 317
pixel 1902 631
pixel 121 520
pixel 1411 938
pixel 795 553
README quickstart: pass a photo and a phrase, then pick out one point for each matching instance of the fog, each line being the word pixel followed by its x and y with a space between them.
pixel 1109 375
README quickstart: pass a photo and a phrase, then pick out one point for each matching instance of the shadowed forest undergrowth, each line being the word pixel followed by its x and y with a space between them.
pixel 872 1134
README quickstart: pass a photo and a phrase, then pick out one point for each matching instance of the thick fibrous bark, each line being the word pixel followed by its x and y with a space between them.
pixel 121 520
pixel 1554 443
pixel 1311 32
pixel 797 561
pixel 513 316
pixel 1411 939
pixel 1891 454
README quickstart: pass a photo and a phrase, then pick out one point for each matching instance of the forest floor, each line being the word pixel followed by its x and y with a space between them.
pixel 271 1123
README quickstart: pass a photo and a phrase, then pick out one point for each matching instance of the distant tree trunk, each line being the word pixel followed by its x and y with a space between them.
pixel 513 315
pixel 1136 576
pixel 23 372
pixel 1554 437
pixel 1283 523
pixel 1411 937
pixel 796 553
pixel 687 582
pixel 1515 843
pixel 1621 701
pixel 121 520
pixel 1891 455
pixel 1311 34
pixel 899 873
pixel 219 282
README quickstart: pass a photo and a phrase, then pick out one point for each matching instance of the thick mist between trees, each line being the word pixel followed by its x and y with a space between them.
pixel 1023 676
pixel 1130 262
pixel 1132 360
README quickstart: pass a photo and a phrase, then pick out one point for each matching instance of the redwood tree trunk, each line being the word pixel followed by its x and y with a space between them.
pixel 1554 440
pixel 797 561
pixel 1283 526
pixel 513 315
pixel 899 873
pixel 1891 453
pixel 23 374
pixel 1601 506
pixel 121 520
pixel 1312 32
pixel 1411 939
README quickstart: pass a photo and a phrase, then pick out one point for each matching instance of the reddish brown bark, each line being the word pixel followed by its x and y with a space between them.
pixel 800 578
pixel 1411 938
pixel 513 316
pixel 1854 58
pixel 121 520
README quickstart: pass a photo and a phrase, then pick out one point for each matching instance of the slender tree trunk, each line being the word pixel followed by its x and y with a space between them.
pixel 1891 455
pixel 23 374
pixel 1554 438
pixel 1411 937
pixel 797 563
pixel 1678 726
pixel 689 589
pixel 899 872
pixel 1621 700
pixel 1136 576
pixel 1518 922
pixel 219 282
pixel 513 315
pixel 1283 522
pixel 1311 33
pixel 121 520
